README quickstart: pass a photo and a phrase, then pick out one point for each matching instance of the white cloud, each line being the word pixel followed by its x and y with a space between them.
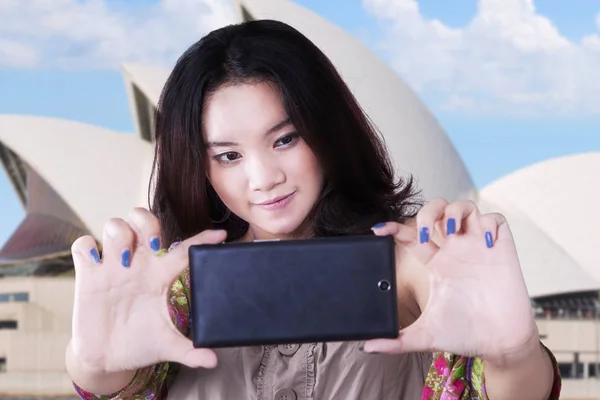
pixel 92 34
pixel 14 54
pixel 507 59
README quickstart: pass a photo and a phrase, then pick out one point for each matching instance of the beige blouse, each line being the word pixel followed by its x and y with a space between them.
pixel 303 372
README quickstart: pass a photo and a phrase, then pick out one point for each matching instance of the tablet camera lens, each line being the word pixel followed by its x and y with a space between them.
pixel 384 285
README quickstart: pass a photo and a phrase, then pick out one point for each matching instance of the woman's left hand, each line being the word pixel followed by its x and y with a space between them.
pixel 477 303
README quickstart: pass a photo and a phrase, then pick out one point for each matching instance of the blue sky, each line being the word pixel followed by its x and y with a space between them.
pixel 492 127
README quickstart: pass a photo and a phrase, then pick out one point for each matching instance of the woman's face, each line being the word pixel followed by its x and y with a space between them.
pixel 258 165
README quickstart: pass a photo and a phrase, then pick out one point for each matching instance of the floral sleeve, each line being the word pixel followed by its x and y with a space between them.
pixel 152 382
pixel 453 377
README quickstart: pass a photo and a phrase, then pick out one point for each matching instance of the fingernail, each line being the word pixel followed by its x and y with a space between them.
pixel 126 258
pixel 451 226
pixel 95 256
pixel 489 240
pixel 379 225
pixel 424 234
pixel 173 245
pixel 155 244
pixel 361 347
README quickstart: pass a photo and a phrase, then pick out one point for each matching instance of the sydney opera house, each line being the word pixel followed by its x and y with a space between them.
pixel 70 180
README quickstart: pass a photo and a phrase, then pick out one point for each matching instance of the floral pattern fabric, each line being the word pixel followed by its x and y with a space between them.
pixel 450 377
pixel 453 377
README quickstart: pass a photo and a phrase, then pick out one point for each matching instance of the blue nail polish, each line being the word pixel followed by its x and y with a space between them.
pixel 379 225
pixel 451 226
pixel 126 258
pixel 155 244
pixel 424 235
pixel 95 256
pixel 489 241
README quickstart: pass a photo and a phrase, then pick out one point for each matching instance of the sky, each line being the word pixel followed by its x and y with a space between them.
pixel 512 82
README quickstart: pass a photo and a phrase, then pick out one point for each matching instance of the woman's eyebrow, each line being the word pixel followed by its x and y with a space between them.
pixel 278 126
pixel 218 143
pixel 215 143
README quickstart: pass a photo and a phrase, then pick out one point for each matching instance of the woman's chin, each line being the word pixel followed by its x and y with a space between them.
pixel 281 230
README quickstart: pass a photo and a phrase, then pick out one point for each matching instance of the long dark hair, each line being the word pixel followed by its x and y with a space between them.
pixel 360 186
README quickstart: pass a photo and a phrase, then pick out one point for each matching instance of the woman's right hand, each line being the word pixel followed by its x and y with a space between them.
pixel 121 319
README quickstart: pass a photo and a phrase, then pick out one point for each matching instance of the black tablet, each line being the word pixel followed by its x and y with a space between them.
pixel 293 291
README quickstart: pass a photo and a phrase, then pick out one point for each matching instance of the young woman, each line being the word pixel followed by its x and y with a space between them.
pixel 258 137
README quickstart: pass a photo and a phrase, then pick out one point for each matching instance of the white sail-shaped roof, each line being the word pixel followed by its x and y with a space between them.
pixel 554 211
pixel 98 173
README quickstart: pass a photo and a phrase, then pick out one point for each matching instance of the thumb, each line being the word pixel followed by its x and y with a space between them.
pixel 177 257
pixel 205 237
pixel 419 242
pixel 181 350
pixel 414 338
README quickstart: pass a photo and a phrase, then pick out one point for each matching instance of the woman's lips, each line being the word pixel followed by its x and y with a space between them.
pixel 277 203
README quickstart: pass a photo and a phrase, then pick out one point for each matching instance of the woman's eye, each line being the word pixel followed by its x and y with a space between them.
pixel 228 157
pixel 286 140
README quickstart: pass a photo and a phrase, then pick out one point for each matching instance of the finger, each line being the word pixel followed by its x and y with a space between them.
pixel 85 253
pixel 178 257
pixel 181 350
pixel 439 233
pixel 455 214
pixel 208 236
pixel 427 218
pixel 406 235
pixel 403 234
pixel 489 225
pixel 413 338
pixel 147 227
pixel 118 242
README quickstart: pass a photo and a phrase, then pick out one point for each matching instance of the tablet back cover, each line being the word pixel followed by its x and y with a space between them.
pixel 293 291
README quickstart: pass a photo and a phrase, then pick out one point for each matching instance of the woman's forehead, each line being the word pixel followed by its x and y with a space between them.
pixel 237 111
